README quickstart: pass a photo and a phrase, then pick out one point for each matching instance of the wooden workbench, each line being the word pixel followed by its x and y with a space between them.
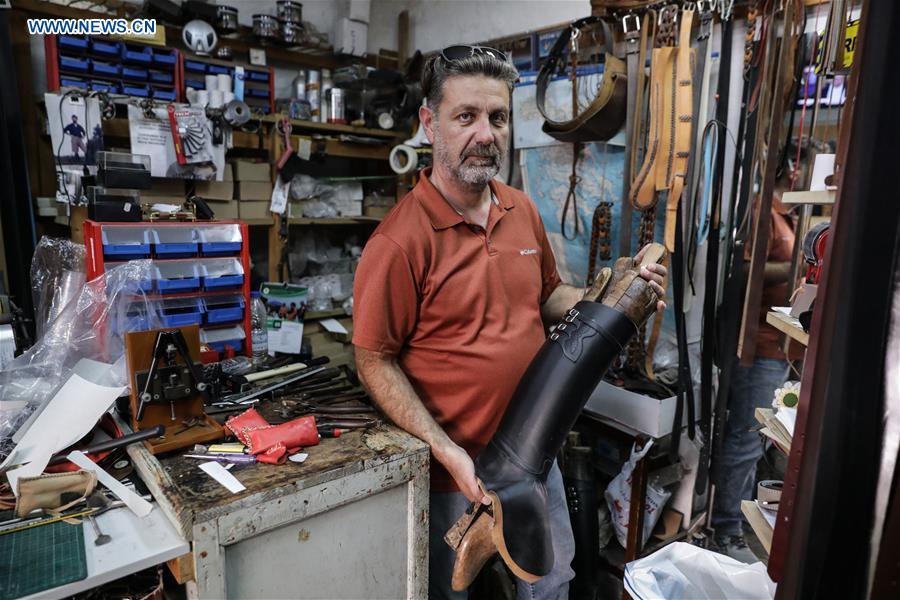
pixel 351 521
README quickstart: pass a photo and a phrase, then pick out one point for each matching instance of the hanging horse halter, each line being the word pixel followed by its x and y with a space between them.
pixel 596 115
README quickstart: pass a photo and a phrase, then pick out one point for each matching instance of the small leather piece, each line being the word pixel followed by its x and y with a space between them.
pixel 53 492
pixel 273 443
pixel 513 467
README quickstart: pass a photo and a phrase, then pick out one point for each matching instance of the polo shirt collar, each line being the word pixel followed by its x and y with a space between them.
pixel 440 213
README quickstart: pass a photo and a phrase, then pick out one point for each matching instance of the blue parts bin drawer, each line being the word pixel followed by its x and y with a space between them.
pixel 219 248
pixel 258 76
pixel 174 242
pixel 220 240
pixel 218 70
pixel 73 63
pixel 101 86
pixel 179 312
pixel 135 90
pixel 73 82
pixel 174 277
pixel 223 309
pixel 255 93
pixel 194 66
pixel 72 42
pixel 106 49
pixel 161 77
pixel 222 273
pixel 124 242
pixel 219 338
pixel 163 94
pixel 107 69
pixel 136 73
pixel 162 57
pixel 134 54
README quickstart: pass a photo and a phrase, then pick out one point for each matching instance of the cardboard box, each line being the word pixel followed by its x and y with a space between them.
pixel 254 210
pixel 350 37
pixel 228 172
pixel 651 416
pixel 165 187
pixel 149 199
pixel 254 190
pixel 349 208
pixel 218 190
pixel 244 170
pixel 226 210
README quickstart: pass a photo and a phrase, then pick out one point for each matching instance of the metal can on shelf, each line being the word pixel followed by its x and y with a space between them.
pixel 226 19
pixel 291 33
pixel 336 111
pixel 313 94
pixel 266 27
pixel 290 11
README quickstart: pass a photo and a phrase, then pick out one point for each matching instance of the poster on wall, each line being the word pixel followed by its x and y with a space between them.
pixel 75 130
pixel 151 135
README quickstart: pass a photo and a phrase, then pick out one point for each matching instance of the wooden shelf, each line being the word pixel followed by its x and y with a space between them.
pixel 821 197
pixel 335 221
pixel 258 221
pixel 758 523
pixel 335 128
pixel 787 325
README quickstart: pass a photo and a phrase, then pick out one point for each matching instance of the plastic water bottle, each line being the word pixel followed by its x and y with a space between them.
pixel 259 336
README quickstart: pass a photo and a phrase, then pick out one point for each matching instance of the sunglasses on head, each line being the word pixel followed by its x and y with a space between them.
pixel 452 53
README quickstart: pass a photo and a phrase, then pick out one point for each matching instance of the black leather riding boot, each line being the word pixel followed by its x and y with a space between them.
pixel 545 405
pixel 514 465
pixel 581 496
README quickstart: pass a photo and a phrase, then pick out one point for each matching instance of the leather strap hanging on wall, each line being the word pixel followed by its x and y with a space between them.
pixel 631 29
pixel 572 196
pixel 604 116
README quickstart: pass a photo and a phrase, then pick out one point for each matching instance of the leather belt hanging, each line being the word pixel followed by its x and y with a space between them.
pixel 631 28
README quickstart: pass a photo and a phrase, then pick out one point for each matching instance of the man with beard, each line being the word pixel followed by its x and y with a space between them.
pixel 451 296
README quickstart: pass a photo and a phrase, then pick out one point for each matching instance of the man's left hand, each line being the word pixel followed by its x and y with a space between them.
pixel 655 274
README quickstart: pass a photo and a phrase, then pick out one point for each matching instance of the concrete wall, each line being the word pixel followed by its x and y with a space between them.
pixel 435 24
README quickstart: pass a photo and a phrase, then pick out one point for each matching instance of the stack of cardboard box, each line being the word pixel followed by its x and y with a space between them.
pixel 336 346
pixel 244 192
pixel 219 195
pixel 253 187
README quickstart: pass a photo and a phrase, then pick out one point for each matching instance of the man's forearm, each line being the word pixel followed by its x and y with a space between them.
pixel 563 298
pixel 394 394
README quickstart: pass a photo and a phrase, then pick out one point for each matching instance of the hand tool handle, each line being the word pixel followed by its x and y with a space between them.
pixel 144 434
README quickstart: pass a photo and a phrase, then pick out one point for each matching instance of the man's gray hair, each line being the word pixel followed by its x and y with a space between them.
pixel 437 71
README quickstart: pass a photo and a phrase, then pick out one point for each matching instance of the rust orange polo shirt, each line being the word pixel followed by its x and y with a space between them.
pixel 458 305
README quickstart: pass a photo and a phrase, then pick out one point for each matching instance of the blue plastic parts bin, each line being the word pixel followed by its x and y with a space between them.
pixel 191 313
pixel 161 57
pixel 143 56
pixel 132 90
pixel 257 93
pixel 109 49
pixel 196 67
pixel 229 310
pixel 258 76
pixel 218 70
pixel 71 82
pixel 164 94
pixel 134 73
pixel 161 77
pixel 223 283
pixel 175 286
pixel 75 64
pixel 219 248
pixel 107 69
pixel 72 42
pixel 101 86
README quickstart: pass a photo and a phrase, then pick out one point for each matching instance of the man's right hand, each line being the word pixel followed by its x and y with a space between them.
pixel 460 466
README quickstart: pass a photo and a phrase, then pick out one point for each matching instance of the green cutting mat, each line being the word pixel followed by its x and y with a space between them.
pixel 41 558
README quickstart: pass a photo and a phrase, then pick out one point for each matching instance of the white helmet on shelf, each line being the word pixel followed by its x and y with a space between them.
pixel 199 36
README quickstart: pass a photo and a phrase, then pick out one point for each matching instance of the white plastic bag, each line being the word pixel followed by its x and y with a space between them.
pixel 680 570
pixel 618 498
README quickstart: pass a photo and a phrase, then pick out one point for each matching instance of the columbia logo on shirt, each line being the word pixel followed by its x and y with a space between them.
pixel 527 251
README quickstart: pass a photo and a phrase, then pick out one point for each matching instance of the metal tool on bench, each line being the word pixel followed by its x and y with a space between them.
pixel 99 501
pixel 253 396
pixel 174 381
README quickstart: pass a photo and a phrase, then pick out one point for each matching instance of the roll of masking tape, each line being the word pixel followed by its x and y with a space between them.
pixel 769 491
pixel 403 159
